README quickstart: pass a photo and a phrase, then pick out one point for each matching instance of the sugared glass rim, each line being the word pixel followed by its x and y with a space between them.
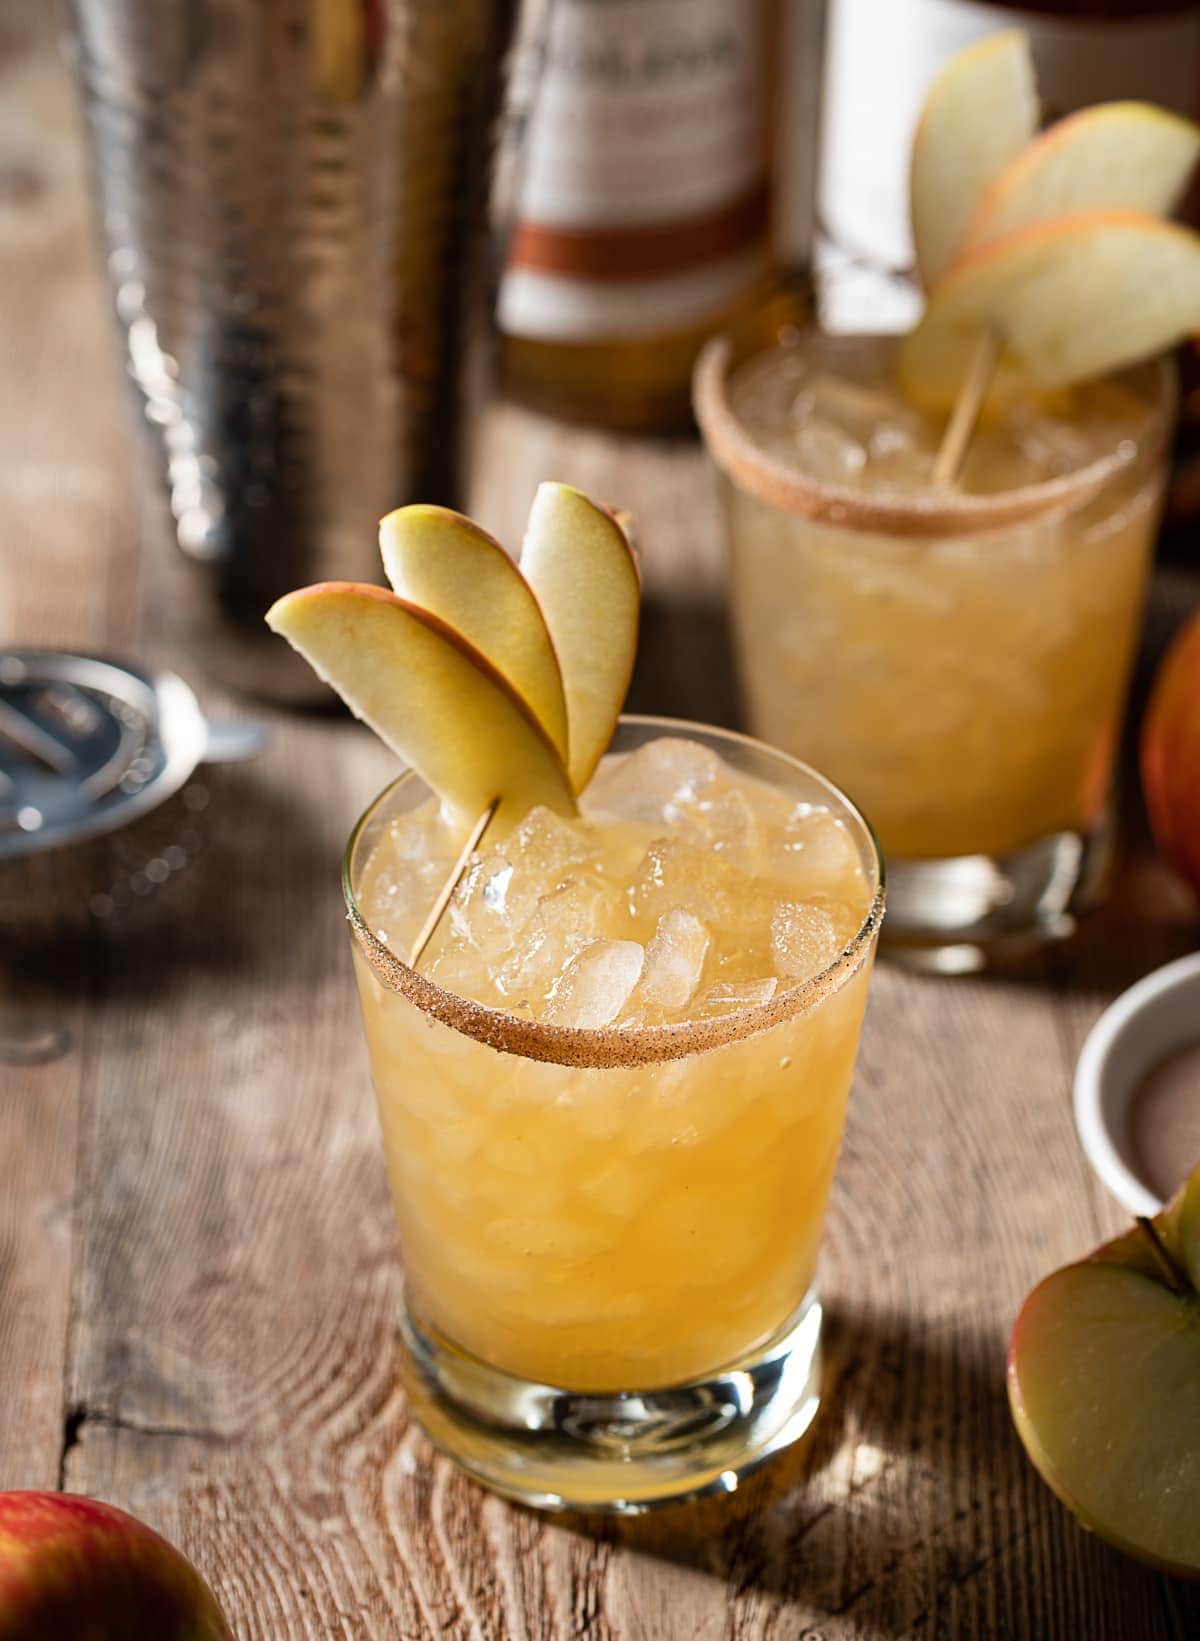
pixel 612 1046
pixel 935 516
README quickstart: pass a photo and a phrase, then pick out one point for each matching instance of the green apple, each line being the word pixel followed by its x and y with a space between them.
pixel 579 562
pixel 446 564
pixel 431 696
pixel 71 1566
pixel 1104 1385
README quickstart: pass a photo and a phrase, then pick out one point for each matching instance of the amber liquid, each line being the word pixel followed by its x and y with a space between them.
pixel 643 384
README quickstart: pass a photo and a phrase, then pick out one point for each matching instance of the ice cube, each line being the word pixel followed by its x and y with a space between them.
pixel 857 408
pixel 651 783
pixel 674 960
pixel 418 833
pixel 491 905
pixel 804 939
pixel 596 984
pixel 403 873
pixel 547 845
pixel 827 452
pixel 731 827
pixel 579 909
pixel 676 873
pixel 815 848
pixel 728 996
pixel 395 900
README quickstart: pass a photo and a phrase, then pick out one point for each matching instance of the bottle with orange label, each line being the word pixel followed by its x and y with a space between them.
pixel 666 188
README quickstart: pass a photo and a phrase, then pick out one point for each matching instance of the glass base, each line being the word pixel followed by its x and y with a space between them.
pixel 618 1452
pixel 975 911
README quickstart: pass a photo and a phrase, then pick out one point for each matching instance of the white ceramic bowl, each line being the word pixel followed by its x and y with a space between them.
pixel 1146 1023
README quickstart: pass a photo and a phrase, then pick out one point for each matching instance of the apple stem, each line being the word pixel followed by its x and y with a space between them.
pixel 960 427
pixel 1173 1274
pixel 474 838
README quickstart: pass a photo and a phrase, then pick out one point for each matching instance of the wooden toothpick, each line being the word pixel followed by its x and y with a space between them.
pixel 451 884
pixel 948 462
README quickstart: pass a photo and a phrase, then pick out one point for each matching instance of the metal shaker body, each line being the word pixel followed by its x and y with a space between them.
pixel 293 197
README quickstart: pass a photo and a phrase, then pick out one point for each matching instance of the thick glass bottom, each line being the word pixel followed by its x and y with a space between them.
pixel 975 911
pixel 618 1452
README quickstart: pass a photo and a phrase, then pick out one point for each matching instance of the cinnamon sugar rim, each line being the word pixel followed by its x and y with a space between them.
pixel 934 516
pixel 613 1046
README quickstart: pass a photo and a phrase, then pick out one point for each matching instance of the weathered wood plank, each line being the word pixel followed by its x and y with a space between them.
pixel 58 553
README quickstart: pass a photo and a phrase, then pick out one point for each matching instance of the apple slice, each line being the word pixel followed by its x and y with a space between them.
pixel 449 566
pixel 1104 1385
pixel 1069 300
pixel 978 114
pixel 579 562
pixel 439 704
pixel 1115 156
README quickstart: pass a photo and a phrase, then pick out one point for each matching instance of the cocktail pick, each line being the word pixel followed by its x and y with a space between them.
pixel 446 892
pixel 955 441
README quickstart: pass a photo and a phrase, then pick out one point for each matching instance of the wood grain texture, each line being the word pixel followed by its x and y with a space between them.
pixel 198 1273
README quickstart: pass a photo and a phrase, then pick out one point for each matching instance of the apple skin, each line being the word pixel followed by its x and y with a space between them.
pixel 1170 755
pixel 1121 1279
pixel 1072 298
pixel 72 1566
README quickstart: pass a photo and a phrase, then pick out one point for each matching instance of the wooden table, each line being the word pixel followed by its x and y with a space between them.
pixel 198 1268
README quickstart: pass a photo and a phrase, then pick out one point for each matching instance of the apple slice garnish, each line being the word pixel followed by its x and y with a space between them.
pixel 1104 1385
pixel 1068 300
pixel 431 696
pixel 583 572
pixel 446 564
pixel 1115 156
pixel 978 114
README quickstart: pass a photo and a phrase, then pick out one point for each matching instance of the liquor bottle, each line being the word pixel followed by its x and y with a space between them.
pixel 880 62
pixel 666 192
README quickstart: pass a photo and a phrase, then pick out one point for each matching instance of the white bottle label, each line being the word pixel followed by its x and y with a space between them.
pixel 644 203
pixel 882 57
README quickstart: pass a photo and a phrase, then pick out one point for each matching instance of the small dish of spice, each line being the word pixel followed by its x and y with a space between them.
pixel 1137 1087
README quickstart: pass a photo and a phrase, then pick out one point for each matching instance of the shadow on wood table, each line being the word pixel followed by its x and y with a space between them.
pixel 951 1533
pixel 220 857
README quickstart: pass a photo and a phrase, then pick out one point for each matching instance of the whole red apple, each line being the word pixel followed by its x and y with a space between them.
pixel 73 1567
pixel 1171 755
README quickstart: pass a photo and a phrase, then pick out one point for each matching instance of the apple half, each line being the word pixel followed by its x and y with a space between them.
pixel 583 572
pixel 1114 156
pixel 1068 300
pixel 431 696
pixel 1104 1386
pixel 445 563
pixel 978 114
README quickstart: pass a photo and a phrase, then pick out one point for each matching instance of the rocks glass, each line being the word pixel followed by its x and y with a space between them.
pixel 955 657
pixel 610 1235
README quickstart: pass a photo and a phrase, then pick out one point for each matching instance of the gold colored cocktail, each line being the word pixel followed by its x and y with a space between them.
pixel 612 1102
pixel 955 658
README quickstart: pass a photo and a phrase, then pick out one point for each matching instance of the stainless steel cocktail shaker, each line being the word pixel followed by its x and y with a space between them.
pixel 293 198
